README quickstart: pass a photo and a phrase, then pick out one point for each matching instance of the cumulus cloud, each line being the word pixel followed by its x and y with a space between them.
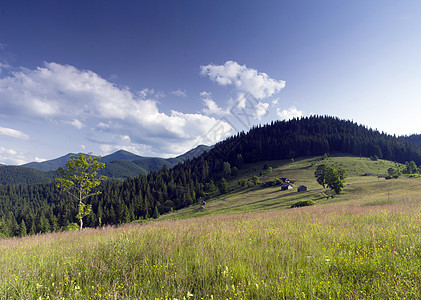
pixel 244 79
pixel 13 133
pixel 251 88
pixel 290 113
pixel 261 110
pixel 179 93
pixel 58 93
pixel 211 108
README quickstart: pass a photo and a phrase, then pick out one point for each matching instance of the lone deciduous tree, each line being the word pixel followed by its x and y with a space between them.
pixel 328 176
pixel 79 179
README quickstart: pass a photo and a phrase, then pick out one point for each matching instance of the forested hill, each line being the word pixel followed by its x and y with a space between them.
pixel 17 174
pixel 314 136
pixel 42 208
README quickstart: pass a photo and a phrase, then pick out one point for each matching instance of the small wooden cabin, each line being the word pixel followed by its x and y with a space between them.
pixel 302 188
pixel 286 186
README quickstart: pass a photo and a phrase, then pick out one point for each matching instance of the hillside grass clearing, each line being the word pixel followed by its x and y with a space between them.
pixel 301 172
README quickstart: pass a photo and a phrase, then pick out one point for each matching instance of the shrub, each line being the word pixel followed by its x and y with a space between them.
pixel 72 227
pixel 303 203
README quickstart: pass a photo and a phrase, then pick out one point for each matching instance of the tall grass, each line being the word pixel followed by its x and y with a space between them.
pixel 336 251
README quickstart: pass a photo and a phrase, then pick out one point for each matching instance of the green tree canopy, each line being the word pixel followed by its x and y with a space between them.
pixel 79 179
pixel 328 176
pixel 411 167
pixel 223 186
pixel 393 172
pixel 320 174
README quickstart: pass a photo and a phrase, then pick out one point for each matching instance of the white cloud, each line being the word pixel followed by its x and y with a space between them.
pixel 205 94
pixel 261 110
pixel 57 93
pixel 289 113
pixel 103 125
pixel 126 138
pixel 13 133
pixel 150 93
pixel 249 85
pixel 211 108
pixel 245 80
pixel 11 157
pixel 7 151
pixel 3 65
pixel 179 93
pixel 75 123
pixel 37 159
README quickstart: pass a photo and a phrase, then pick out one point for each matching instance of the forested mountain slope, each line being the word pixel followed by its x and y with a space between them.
pixel 24 175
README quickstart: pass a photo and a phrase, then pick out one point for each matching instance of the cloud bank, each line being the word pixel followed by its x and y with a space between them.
pixel 82 104
pixel 84 100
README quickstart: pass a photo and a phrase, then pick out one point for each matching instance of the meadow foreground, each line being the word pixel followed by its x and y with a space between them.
pixel 358 249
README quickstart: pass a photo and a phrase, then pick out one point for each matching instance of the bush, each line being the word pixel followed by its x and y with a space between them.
pixel 303 203
pixel 72 227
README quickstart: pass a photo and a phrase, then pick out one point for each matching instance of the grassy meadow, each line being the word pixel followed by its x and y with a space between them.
pixel 363 244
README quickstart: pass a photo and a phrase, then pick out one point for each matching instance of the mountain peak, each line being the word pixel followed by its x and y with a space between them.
pixel 120 155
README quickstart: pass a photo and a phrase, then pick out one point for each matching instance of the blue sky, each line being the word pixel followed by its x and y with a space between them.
pixel 157 78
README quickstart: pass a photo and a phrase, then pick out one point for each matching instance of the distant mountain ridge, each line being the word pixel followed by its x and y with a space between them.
pixel 151 163
pixel 49 165
pixel 120 164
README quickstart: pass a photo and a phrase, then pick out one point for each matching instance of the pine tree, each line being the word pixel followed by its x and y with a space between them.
pixel 22 228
